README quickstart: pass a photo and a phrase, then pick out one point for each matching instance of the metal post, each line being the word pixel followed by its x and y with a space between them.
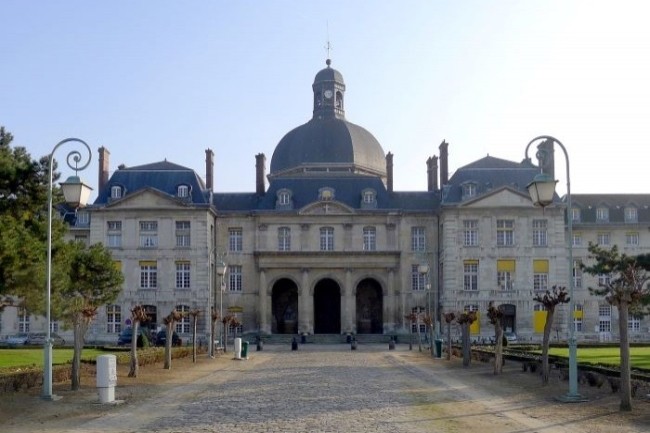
pixel 47 346
pixel 573 395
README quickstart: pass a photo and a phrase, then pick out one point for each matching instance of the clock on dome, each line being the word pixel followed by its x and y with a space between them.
pixel 328 94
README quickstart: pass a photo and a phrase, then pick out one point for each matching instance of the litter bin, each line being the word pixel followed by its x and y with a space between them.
pixel 244 349
pixel 438 343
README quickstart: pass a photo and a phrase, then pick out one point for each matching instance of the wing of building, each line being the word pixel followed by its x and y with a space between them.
pixel 324 245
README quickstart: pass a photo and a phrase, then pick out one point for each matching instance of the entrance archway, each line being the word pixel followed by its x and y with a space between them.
pixel 369 307
pixel 284 305
pixel 327 307
pixel 509 319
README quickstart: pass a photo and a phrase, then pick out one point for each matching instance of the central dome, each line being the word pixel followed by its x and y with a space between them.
pixel 328 143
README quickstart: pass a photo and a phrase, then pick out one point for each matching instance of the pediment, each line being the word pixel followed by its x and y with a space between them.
pixel 503 197
pixel 147 198
pixel 326 208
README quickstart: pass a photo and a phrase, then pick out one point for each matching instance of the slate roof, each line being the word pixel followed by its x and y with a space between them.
pixel 615 203
pixel 163 176
pixel 348 191
pixel 489 173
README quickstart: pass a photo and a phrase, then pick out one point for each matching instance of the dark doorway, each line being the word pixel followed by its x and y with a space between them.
pixel 509 317
pixel 284 305
pixel 327 307
pixel 369 307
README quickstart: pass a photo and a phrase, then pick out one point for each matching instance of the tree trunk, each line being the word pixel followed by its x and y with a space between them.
pixel 194 340
pixel 545 342
pixel 626 385
pixel 498 348
pixel 467 350
pixel 417 326
pixel 449 341
pixel 133 371
pixel 76 357
pixel 168 346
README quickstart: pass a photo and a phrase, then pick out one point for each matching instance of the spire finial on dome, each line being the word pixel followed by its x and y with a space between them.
pixel 328 46
pixel 328 62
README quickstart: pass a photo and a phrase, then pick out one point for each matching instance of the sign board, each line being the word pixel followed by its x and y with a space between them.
pixel 235 309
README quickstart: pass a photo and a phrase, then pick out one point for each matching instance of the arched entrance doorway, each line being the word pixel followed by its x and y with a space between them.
pixel 509 319
pixel 369 307
pixel 284 306
pixel 327 307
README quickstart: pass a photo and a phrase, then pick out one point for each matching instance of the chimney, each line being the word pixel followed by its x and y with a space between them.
pixel 432 174
pixel 260 173
pixel 389 172
pixel 104 165
pixel 444 163
pixel 209 169
pixel 547 149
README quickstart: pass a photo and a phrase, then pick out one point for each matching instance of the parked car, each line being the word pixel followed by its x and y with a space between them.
pixel 126 336
pixel 38 339
pixel 161 338
pixel 510 336
pixel 16 340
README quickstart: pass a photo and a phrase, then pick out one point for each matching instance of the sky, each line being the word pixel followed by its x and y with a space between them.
pixel 155 80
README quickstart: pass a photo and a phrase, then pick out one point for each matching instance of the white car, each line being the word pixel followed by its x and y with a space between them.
pixel 17 340
pixel 510 336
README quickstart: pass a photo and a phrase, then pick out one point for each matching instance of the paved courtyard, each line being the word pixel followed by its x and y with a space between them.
pixel 333 389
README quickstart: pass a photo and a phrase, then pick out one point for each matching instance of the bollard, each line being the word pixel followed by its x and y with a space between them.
pixel 237 348
pixel 260 344
pixel 348 339
pixel 353 344
pixel 303 338
pixel 106 378
pixel 391 344
pixel 294 344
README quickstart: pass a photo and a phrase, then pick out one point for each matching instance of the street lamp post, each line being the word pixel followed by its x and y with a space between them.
pixel 221 271
pixel 211 303
pixel 76 194
pixel 424 270
pixel 542 191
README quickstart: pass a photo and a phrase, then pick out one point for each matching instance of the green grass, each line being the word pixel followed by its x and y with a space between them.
pixel 12 358
pixel 639 356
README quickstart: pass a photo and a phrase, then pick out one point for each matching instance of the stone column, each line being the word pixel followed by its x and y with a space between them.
pixel 348 305
pixel 305 310
pixel 265 324
pixel 390 306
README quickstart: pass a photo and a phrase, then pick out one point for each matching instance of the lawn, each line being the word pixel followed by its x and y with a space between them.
pixel 639 356
pixel 34 357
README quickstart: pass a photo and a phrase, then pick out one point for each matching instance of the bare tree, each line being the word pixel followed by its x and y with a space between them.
pixel 465 320
pixel 550 299
pixel 215 319
pixel 623 284
pixel 138 314
pixel 413 319
pixel 449 317
pixel 495 315
pixel 194 314
pixel 170 323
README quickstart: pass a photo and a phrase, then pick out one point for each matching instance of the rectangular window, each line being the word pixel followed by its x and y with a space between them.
pixel 470 275
pixel 540 275
pixel 369 239
pixel 183 237
pixel 149 234
pixel 83 219
pixel 632 238
pixel 418 239
pixel 577 239
pixel 418 280
pixel 634 323
pixel 23 320
pixel 114 234
pixel 505 233
pixel 470 228
pixel 602 238
pixel 113 319
pixel 148 274
pixel 631 215
pixel 419 311
pixel 54 326
pixel 604 318
pixel 235 239
pixel 577 317
pixel 575 215
pixel 182 275
pixel 284 239
pixel 540 233
pixel 602 214
pixel 505 274
pixel 577 273
pixel 604 280
pixel 184 326
pixel 235 278
pixel 327 239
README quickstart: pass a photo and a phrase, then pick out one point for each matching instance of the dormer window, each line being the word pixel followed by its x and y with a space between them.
pixel 631 215
pixel 602 214
pixel 326 194
pixel 183 191
pixel 469 190
pixel 116 192
pixel 283 199
pixel 575 215
pixel 369 196
pixel 83 219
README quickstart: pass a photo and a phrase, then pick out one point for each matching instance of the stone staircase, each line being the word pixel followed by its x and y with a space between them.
pixel 318 338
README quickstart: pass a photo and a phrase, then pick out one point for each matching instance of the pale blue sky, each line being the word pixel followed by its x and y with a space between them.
pixel 151 80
